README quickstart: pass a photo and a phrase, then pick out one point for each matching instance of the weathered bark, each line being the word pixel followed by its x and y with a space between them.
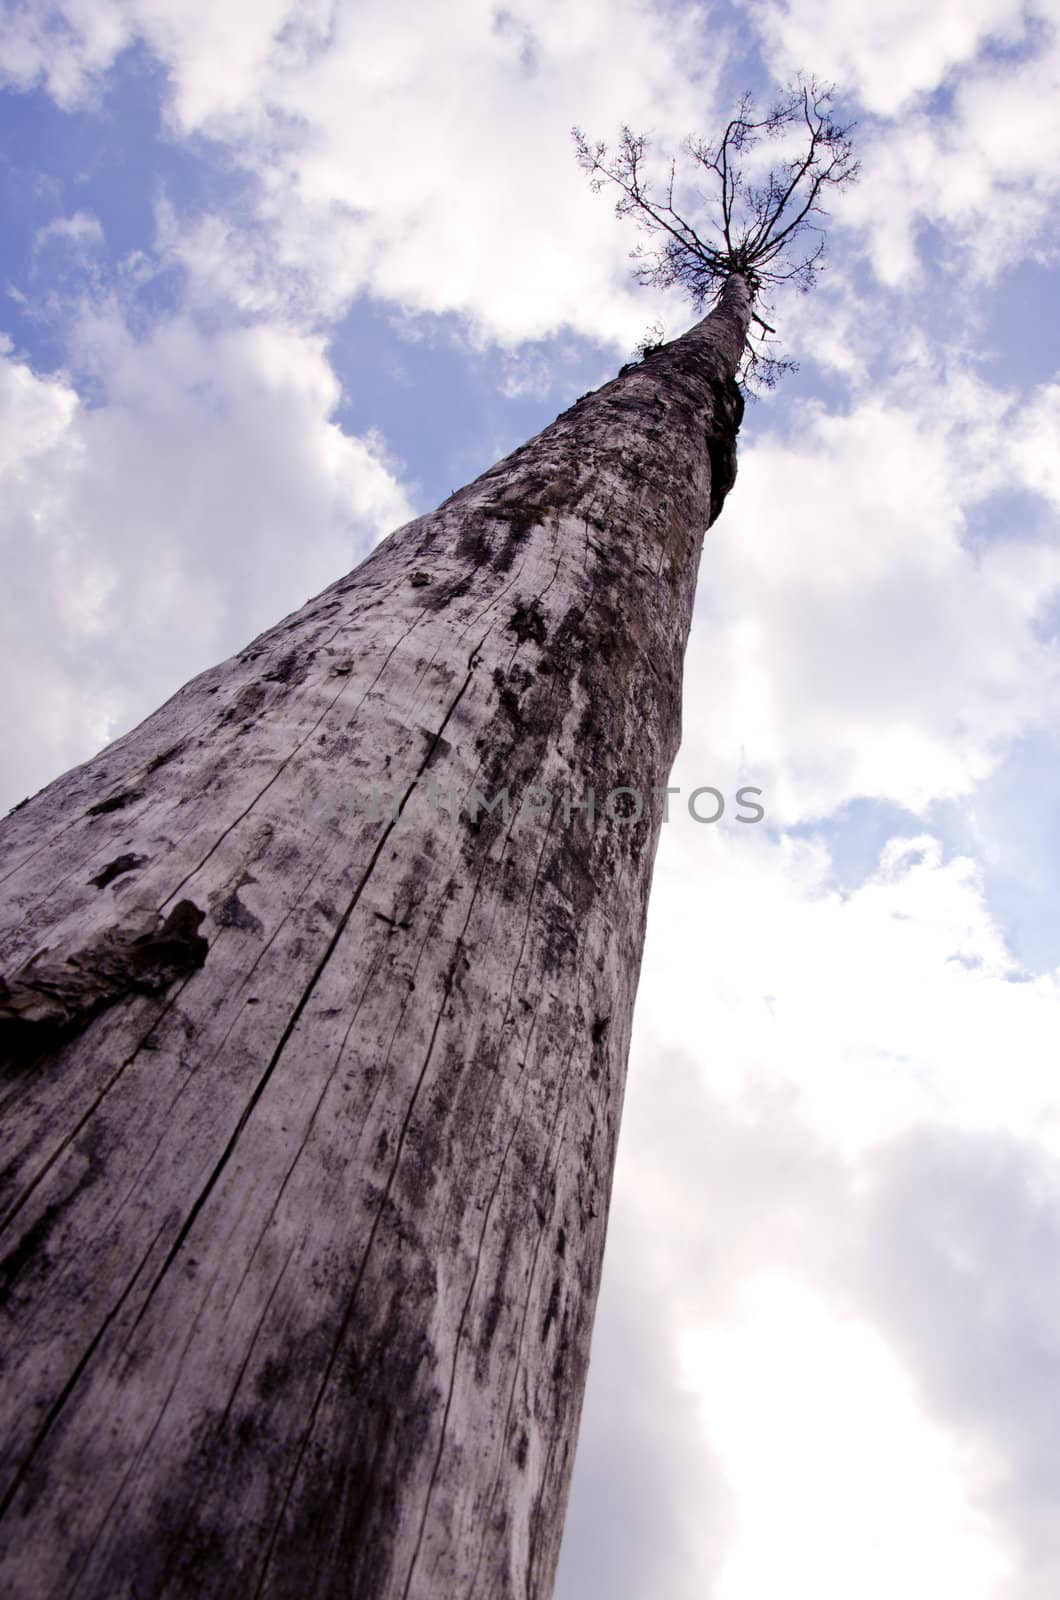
pixel 303 1224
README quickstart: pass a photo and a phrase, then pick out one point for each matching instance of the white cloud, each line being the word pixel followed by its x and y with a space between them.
pixel 834 1190
pixel 866 648
pixel 982 174
pixel 65 47
pixel 963 122
pixel 430 164
pixel 791 1394
pixel 885 54
pixel 873 1009
pixel 837 1198
pixel 148 536
pixel 959 1234
pixel 80 231
pixel 35 412
pixel 1035 450
pixel 651 1514
pixel 454 189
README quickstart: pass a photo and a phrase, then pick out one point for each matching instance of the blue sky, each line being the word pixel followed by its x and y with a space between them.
pixel 275 278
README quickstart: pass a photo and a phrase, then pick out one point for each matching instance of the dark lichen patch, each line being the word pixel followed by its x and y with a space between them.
pixel 503 555
pixel 272 1379
pixel 443 594
pixel 173 1550
pixel 285 668
pixel 518 518
pixel 473 545
pixel 438 748
pixel 562 937
pixel 164 758
pixel 526 516
pixel 28 1252
pixel 29 1260
pixel 246 705
pixel 115 802
pixel 507 698
pixel 117 868
pixel 47 1000
pixel 527 622
pixel 232 913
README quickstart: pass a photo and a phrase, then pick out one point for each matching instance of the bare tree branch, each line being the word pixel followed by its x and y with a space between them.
pixel 758 229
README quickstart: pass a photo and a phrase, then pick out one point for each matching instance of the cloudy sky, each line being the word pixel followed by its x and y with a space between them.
pixel 275 277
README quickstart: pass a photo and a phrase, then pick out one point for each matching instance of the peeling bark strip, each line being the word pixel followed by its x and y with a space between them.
pixel 48 998
pixel 303 1216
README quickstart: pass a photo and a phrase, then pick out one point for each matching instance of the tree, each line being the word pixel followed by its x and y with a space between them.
pixel 314 1045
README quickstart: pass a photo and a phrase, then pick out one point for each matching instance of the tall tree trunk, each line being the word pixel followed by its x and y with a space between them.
pixel 310 1118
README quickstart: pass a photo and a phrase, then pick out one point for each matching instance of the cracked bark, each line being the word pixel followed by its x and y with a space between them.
pixel 303 1209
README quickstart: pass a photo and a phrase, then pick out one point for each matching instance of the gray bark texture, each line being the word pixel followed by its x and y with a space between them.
pixel 310 1112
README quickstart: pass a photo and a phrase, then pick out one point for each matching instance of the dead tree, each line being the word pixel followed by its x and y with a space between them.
pixel 314 1044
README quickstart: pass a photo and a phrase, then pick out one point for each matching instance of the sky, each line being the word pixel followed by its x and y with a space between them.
pixel 275 278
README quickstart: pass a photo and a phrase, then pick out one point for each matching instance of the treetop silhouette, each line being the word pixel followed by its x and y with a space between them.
pixel 763 222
